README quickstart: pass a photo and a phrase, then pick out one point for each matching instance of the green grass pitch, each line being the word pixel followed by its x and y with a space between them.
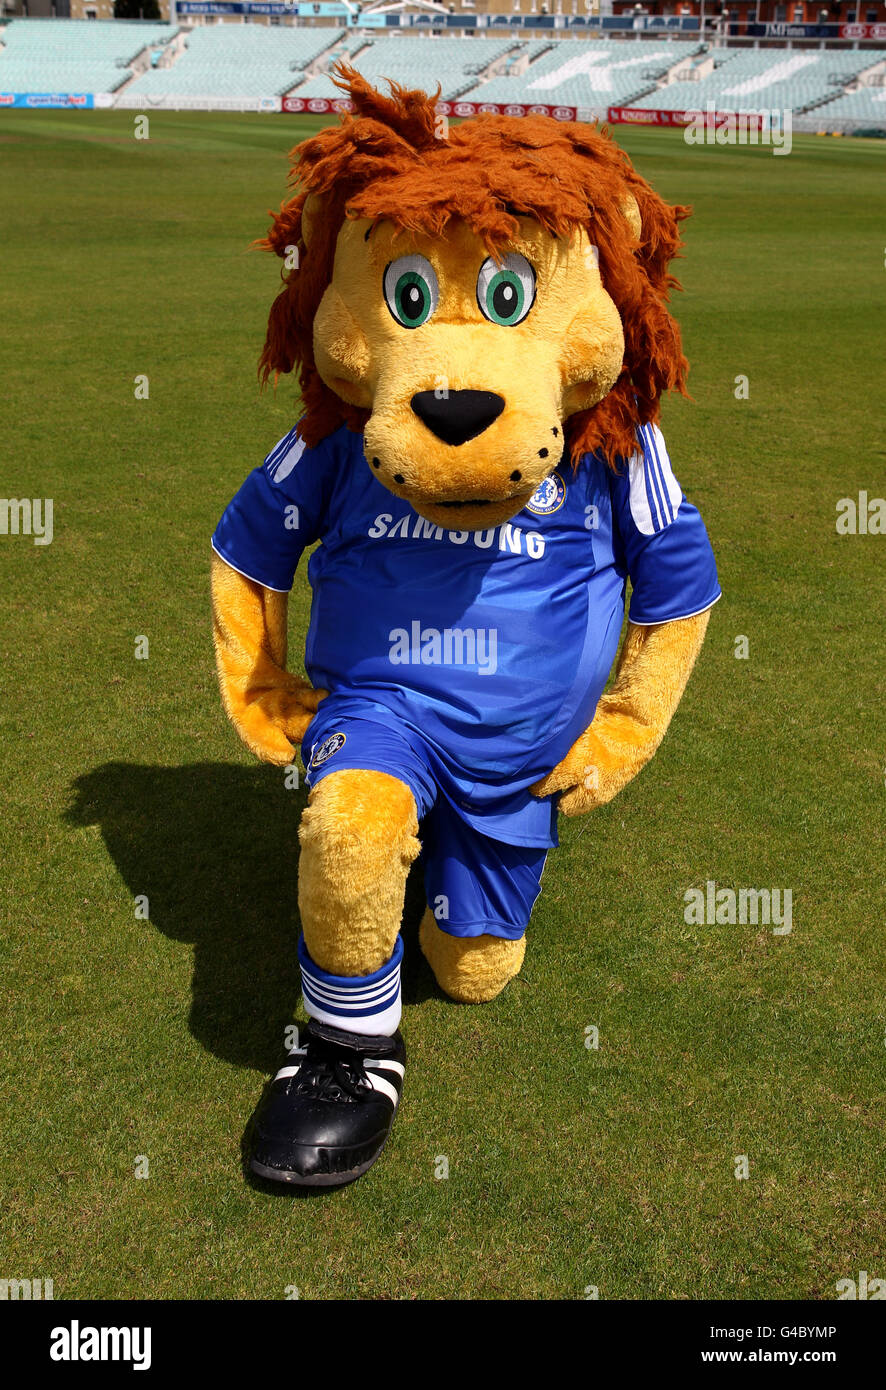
pixel 123 1039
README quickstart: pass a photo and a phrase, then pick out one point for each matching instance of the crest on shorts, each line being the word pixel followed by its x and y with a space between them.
pixel 329 746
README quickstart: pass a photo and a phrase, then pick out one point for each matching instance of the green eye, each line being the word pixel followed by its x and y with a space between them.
pixel 506 292
pixel 411 291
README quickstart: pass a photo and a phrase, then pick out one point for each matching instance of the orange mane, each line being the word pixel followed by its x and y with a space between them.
pixel 390 160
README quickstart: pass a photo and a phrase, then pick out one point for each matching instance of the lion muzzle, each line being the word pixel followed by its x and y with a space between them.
pixel 457 416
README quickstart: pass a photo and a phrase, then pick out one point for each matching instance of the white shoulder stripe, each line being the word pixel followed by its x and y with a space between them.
pixel 640 508
pixel 655 494
pixel 672 492
pixel 283 458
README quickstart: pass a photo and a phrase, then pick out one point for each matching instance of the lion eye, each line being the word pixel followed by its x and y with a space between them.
pixel 411 291
pixel 506 291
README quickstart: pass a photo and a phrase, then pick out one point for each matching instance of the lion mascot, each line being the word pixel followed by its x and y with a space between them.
pixel 479 321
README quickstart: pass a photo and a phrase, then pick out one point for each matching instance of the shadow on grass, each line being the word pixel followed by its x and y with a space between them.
pixel 214 848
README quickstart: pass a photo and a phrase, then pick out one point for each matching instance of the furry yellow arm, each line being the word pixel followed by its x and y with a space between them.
pixel 631 719
pixel 267 706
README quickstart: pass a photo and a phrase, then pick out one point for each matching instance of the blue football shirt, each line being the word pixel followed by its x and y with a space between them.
pixel 494 646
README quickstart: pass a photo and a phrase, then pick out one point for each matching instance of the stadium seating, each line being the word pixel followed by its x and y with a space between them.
pixel 242 60
pixel 599 73
pixel 764 80
pixel 67 55
pixel 418 62
pixel 865 107
pixel 256 63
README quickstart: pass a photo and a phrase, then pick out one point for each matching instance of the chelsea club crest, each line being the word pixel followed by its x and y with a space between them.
pixel 548 497
pixel 327 748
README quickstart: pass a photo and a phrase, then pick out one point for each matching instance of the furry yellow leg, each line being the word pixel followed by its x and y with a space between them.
pixel 471 969
pixel 358 838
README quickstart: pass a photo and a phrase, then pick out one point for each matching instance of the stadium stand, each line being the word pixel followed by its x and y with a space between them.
pixel 604 73
pixel 136 64
pixel 252 61
pixel 764 80
pixel 68 55
pixel 863 108
pixel 425 61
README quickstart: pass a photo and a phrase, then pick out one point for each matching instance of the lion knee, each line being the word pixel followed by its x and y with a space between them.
pixel 355 818
pixel 358 838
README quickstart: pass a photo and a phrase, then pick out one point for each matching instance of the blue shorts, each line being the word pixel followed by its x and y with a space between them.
pixel 475 885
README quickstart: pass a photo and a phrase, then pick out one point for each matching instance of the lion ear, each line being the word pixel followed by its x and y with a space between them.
pixel 630 211
pixel 310 216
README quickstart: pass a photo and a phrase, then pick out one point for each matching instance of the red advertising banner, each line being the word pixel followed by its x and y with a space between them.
pixel 511 108
pixel 324 105
pixel 638 115
pixel 863 31
pixel 315 106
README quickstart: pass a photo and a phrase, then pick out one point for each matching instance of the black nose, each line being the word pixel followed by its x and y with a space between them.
pixel 460 415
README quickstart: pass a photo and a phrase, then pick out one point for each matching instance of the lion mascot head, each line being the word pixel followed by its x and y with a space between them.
pixel 474 300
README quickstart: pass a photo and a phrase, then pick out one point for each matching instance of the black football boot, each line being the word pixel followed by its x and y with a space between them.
pixel 326 1114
